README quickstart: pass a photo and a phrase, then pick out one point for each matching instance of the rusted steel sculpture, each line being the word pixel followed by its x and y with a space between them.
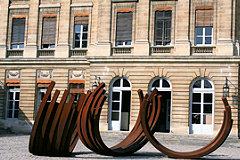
pixel 58 126
pixel 54 131
pixel 88 124
pixel 212 146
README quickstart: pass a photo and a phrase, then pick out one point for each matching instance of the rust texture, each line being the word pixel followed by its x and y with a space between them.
pixel 59 126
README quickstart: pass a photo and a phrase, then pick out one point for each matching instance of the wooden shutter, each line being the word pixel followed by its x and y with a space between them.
pixel 49 30
pixel 18 30
pixel 124 26
pixel 81 20
pixel 163 25
pixel 204 18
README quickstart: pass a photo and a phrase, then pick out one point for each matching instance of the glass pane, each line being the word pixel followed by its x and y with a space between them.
pixel 77 28
pixel 199 40
pixel 128 42
pixel 14 46
pixel 158 43
pixel 116 83
pixel 196 108
pixel 42 95
pixel 199 31
pixel 207 108
pixel 116 96
pixel 156 83
pixel 84 44
pixel 115 105
pixel 16 114
pixel 84 36
pixel 52 45
pixel 115 116
pixel 85 28
pixel 16 104
pixel 17 96
pixel 208 40
pixel 49 98
pixel 197 97
pixel 125 83
pixel 207 119
pixel 77 36
pixel 160 25
pixel 207 98
pixel 168 13
pixel 77 44
pixel 9 113
pixel 159 14
pixel 197 84
pixel 196 119
pixel 207 84
pixel 165 83
pixel 10 105
pixel 208 31
pixel 119 43
pixel 21 45
pixel 10 95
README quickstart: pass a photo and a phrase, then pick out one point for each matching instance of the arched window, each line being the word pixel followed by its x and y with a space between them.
pixel 120 104
pixel 165 89
pixel 202 107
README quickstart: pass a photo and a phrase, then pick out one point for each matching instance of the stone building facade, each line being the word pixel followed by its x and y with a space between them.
pixel 187 49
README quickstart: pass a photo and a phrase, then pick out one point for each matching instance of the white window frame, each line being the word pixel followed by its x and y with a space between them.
pixel 202 91
pixel 14 90
pixel 203 37
pixel 39 91
pixel 160 88
pixel 118 89
pixel 81 36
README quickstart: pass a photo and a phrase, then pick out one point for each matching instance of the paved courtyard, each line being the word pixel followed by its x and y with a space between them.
pixel 14 146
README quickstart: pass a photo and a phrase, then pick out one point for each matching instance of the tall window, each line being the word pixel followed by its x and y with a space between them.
pixel 124 28
pixel 40 94
pixel 204 27
pixel 163 25
pixel 202 107
pixel 80 32
pixel 18 33
pixel 48 32
pixel 13 95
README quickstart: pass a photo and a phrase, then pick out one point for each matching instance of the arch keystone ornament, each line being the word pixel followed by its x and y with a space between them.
pixel 58 126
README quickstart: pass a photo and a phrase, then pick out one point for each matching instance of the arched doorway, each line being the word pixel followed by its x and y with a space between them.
pixel 165 89
pixel 120 103
pixel 202 107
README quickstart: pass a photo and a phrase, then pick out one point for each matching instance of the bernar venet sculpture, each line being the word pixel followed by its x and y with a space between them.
pixel 59 126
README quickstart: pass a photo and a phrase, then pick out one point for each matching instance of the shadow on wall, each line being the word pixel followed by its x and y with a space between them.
pixel 22 125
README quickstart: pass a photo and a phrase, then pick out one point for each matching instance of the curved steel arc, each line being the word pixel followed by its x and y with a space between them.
pixel 88 121
pixel 213 145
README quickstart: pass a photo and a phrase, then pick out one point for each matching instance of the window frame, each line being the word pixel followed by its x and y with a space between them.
pixel 81 36
pixel 49 46
pixel 14 90
pixel 18 43
pixel 164 19
pixel 203 36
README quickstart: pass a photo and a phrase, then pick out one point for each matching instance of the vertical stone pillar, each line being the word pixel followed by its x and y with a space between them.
pixel 182 45
pixel 30 50
pixel 62 46
pixel 103 28
pixel 224 28
pixel 141 45
pixel 3 28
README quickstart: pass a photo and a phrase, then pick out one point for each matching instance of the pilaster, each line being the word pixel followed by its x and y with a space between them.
pixel 30 50
pixel 3 28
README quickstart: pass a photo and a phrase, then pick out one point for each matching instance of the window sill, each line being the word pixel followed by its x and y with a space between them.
pixel 202 49
pixel 78 52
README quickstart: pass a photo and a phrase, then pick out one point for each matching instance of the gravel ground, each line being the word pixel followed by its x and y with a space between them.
pixel 16 147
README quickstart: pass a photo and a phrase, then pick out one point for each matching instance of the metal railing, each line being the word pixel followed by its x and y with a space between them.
pixel 202 49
